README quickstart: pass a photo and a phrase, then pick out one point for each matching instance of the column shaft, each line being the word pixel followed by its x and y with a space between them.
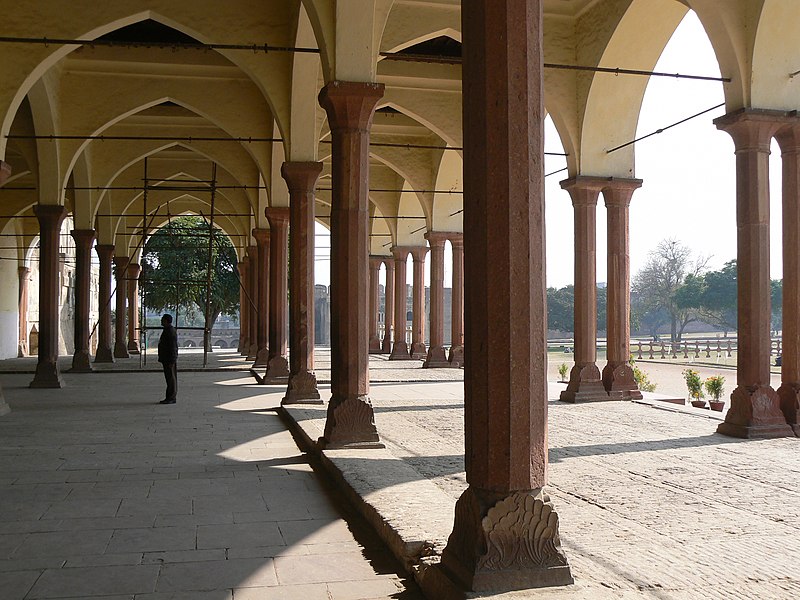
pixel 252 271
pixel 24 279
pixel 84 238
pixel 105 253
pixel 121 295
pixel 504 513
pixel 374 300
pixel 789 391
pixel 278 365
pixel 262 272
pixel 301 179
pixel 457 318
pixel 755 407
pixel 50 218
pixel 418 350
pixel 350 107
pixel 388 307
pixel 244 341
pixel 436 356
pixel 400 350
pixel 133 307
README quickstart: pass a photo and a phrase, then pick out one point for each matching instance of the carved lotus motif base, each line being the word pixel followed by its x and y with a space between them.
pixel 302 389
pixel 504 543
pixel 789 394
pixel 456 356
pixel 620 382
pixel 350 424
pixel 584 385
pixel 47 376
pixel 277 367
pixel 755 412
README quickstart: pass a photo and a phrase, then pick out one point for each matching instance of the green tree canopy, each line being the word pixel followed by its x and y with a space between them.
pixel 175 267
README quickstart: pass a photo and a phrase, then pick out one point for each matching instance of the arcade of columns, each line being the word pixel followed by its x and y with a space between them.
pixel 499 258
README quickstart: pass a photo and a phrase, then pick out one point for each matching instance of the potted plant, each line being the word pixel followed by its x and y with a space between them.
pixel 695 386
pixel 714 387
pixel 563 369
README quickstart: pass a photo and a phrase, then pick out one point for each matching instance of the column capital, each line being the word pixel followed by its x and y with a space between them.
pixel 437 238
pixel 788 138
pixel 418 253
pixel 5 172
pixel 400 252
pixel 301 176
pixel 134 269
pixel 262 237
pixel 456 239
pixel 753 128
pixel 278 216
pixel 375 261
pixel 584 190
pixel 105 251
pixel 350 105
pixel 50 214
pixel 83 237
pixel 23 271
pixel 618 191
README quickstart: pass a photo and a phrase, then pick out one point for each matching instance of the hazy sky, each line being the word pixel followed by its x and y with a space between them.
pixel 688 172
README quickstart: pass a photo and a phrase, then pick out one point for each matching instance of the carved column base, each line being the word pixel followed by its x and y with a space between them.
pixel 302 389
pixel 47 376
pixel 400 352
pixel 22 349
pixel 755 413
pixel 375 346
pixel 350 424
pixel 252 352
pixel 133 348
pixel 121 351
pixel 4 407
pixel 262 358
pixel 585 385
pixel 620 382
pixel 436 359
pixel 104 355
pixel 81 363
pixel 505 542
pixel 789 394
pixel 419 351
pixel 277 368
pixel 456 356
pixel 386 346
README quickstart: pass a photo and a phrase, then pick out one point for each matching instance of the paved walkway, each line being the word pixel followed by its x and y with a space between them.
pixel 106 495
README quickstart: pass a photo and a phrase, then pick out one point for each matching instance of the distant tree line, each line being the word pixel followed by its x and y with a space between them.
pixel 674 288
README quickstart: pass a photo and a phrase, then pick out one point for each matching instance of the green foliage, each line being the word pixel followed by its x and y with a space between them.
pixel 563 369
pixel 561 309
pixel 175 268
pixel 715 386
pixel 693 383
pixel 642 378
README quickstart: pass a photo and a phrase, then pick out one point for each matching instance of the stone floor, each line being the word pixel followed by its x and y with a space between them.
pixel 105 495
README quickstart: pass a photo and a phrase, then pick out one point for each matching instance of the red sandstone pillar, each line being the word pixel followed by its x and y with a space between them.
pixel 374 300
pixel 244 311
pixel 278 365
pixel 755 407
pixel 134 270
pixel 262 274
pixel 585 383
pixel 24 279
pixel 252 271
pixel 456 357
pixel 350 107
pixel 436 356
pixel 121 294
pixel 789 391
pixel 84 238
pixel 617 374
pixel 418 350
pixel 50 218
pixel 105 253
pixel 301 179
pixel 388 307
pixel 400 349
pixel 5 172
pixel 505 534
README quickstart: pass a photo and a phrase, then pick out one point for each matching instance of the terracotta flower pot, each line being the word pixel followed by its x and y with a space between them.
pixel 699 403
pixel 717 405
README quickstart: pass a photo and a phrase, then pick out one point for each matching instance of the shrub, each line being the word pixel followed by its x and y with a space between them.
pixel 693 383
pixel 715 386
pixel 642 378
pixel 563 369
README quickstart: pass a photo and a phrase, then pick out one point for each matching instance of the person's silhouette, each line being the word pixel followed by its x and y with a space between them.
pixel 168 357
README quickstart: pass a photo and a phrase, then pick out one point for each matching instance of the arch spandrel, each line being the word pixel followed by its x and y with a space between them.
pixel 411 23
pixel 24 64
pixel 306 114
pixel 776 55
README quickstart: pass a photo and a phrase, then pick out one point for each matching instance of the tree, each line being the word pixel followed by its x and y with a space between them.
pixel 175 267
pixel 561 308
pixel 656 284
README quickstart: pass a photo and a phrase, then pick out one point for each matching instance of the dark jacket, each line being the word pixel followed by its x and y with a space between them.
pixel 168 345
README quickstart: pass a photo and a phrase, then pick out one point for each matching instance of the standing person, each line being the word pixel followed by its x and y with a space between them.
pixel 168 357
